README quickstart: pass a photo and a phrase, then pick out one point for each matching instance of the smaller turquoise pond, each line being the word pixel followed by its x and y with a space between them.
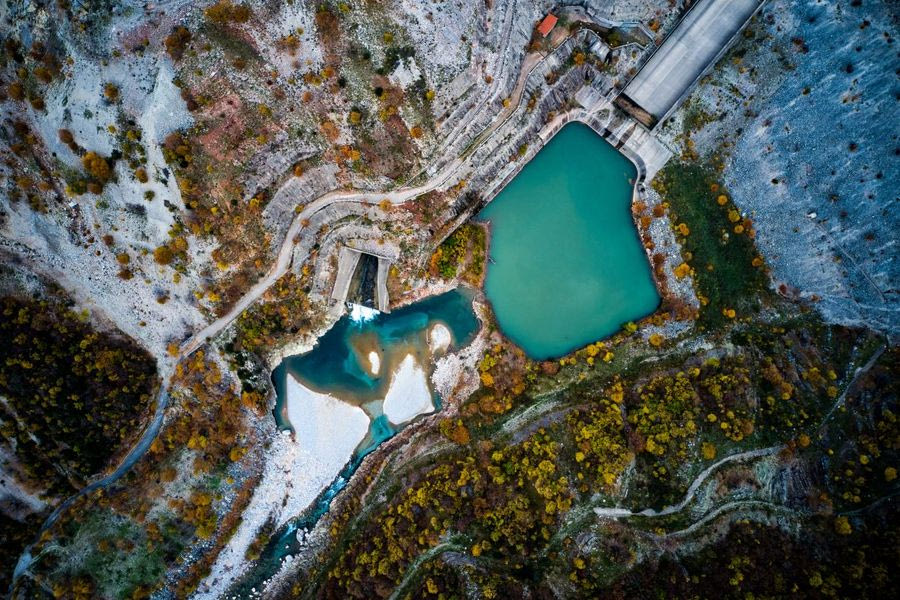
pixel 567 266
pixel 338 366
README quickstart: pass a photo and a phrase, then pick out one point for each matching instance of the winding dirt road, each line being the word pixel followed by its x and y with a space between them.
pixel 283 259
pixel 400 196
pixel 692 490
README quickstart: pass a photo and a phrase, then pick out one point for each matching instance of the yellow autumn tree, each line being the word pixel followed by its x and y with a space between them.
pixel 96 166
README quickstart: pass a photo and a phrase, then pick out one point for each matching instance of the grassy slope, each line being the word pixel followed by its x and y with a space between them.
pixel 691 191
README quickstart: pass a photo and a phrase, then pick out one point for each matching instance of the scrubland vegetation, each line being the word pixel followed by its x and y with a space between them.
pixel 506 502
pixel 119 543
pixel 499 495
pixel 463 254
pixel 717 242
pixel 91 392
pixel 239 119
pixel 286 311
pixel 216 207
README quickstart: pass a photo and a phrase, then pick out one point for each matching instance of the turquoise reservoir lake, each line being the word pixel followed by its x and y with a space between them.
pixel 567 265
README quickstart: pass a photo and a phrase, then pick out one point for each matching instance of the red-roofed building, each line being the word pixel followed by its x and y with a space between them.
pixel 547 25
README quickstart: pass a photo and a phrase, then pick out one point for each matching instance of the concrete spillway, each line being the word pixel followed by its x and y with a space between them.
pixel 696 43
pixel 362 278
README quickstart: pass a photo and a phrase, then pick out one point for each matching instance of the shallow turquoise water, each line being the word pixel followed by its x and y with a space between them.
pixel 568 267
pixel 333 367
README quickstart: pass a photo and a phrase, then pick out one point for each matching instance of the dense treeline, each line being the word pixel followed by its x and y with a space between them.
pixel 14 536
pixel 73 393
pixel 462 253
pixel 71 396
pixel 759 561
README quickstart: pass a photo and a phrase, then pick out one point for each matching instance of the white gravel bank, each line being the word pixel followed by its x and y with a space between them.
pixel 408 395
pixel 327 432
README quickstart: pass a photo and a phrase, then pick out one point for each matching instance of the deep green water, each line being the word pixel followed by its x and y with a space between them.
pixel 568 267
